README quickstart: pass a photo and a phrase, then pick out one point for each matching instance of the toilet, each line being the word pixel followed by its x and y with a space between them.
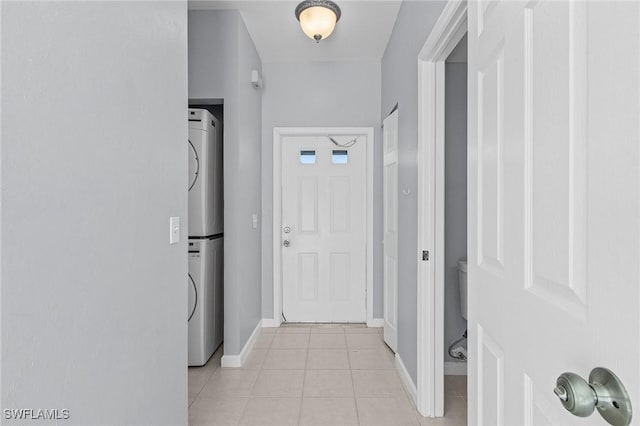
pixel 462 283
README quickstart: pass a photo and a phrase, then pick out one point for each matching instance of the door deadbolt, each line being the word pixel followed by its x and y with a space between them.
pixel 287 229
pixel 286 243
pixel 604 392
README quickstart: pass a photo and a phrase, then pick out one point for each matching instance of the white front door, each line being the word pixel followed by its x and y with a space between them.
pixel 554 204
pixel 324 222
pixel 390 221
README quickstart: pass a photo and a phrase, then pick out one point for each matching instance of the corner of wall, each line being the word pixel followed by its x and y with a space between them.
pixel 237 361
pixel 406 379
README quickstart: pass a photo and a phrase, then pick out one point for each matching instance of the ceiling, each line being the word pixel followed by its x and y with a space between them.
pixel 361 34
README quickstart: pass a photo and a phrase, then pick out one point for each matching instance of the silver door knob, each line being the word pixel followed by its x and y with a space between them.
pixel 286 243
pixel 604 392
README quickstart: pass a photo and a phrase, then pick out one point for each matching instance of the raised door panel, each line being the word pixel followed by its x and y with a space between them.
pixel 340 277
pixel 307 277
pixel 490 183
pixel 490 380
pixel 556 148
pixel 340 204
pixel 391 185
pixel 308 205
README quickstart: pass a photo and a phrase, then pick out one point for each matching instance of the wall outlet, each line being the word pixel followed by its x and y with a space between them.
pixel 254 221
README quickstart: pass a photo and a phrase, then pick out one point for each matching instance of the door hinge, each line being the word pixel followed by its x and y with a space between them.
pixel 425 255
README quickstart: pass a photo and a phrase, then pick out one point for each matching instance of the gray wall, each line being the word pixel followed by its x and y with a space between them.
pixel 400 84
pixel 324 94
pixel 455 234
pixel 93 165
pixel 221 57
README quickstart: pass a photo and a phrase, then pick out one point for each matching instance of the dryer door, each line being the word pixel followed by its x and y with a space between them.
pixel 193 297
pixel 194 164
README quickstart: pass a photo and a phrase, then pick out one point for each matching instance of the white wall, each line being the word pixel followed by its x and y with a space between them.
pixel 94 162
pixel 322 94
pixel 455 234
pixel 400 84
pixel 221 57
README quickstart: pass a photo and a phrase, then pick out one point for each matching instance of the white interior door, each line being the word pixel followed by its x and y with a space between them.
pixel 390 220
pixel 553 204
pixel 324 228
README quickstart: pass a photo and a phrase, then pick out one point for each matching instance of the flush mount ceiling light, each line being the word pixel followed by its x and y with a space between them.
pixel 318 18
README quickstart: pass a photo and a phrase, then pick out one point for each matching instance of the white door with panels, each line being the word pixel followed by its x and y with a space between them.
pixel 554 212
pixel 390 221
pixel 324 225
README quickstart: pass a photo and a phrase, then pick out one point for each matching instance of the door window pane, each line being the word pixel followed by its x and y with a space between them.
pixel 339 156
pixel 307 157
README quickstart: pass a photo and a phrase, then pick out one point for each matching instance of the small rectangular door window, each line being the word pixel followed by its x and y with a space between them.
pixel 339 156
pixel 307 157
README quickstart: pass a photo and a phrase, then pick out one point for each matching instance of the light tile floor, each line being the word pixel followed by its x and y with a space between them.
pixel 314 375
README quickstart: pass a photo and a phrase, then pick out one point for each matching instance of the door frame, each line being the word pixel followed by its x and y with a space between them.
pixel 447 32
pixel 278 134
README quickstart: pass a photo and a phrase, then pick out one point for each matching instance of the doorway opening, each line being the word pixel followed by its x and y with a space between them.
pixel 455 224
pixel 441 207
pixel 322 236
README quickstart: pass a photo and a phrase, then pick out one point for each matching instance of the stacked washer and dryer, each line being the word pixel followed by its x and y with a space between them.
pixel 205 281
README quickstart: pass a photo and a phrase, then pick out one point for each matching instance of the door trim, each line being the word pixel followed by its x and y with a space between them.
pixel 278 133
pixel 447 32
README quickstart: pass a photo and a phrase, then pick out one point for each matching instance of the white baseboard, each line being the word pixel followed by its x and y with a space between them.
pixel 238 360
pixel 455 368
pixel 375 322
pixel 270 323
pixel 406 380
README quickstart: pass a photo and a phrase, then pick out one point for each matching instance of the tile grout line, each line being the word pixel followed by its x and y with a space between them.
pixel 244 410
pixel 205 383
pixel 353 384
pixel 304 378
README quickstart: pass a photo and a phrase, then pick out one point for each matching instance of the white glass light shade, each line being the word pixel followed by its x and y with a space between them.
pixel 318 21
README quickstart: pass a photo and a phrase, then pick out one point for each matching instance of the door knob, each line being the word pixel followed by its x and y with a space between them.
pixel 286 243
pixel 604 392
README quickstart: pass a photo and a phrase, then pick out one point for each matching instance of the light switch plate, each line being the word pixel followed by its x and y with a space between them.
pixel 254 221
pixel 174 230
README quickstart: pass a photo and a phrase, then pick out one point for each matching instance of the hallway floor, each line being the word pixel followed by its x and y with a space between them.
pixel 313 375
